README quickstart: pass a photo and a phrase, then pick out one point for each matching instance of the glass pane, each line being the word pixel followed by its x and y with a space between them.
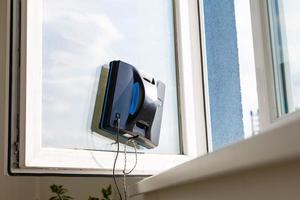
pixel 78 38
pixel 231 72
pixel 247 68
pixel 285 31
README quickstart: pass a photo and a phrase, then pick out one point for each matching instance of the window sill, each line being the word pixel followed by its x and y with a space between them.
pixel 54 161
pixel 278 143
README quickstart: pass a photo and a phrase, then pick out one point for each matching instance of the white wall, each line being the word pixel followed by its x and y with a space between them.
pixel 80 188
pixel 33 188
pixel 11 188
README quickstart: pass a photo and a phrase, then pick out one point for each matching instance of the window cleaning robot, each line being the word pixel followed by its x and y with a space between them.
pixel 128 107
pixel 134 99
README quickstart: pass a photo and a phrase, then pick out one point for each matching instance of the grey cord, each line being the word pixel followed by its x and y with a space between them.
pixel 125 163
pixel 116 158
pixel 125 160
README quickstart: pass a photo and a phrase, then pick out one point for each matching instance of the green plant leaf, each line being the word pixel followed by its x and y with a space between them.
pixel 93 198
pixel 65 197
pixel 109 191
pixel 106 193
pixel 60 193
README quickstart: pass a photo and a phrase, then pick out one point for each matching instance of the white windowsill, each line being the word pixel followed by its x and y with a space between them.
pixel 277 143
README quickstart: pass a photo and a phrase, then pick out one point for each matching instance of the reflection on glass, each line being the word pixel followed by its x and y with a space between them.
pixel 233 102
pixel 247 68
pixel 78 38
pixel 285 31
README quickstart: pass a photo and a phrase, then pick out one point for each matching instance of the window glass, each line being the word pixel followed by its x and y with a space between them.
pixel 230 72
pixel 78 38
pixel 285 31
pixel 247 68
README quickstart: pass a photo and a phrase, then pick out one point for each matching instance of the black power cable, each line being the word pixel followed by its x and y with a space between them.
pixel 116 158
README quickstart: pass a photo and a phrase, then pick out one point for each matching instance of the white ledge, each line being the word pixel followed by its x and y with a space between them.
pixel 278 143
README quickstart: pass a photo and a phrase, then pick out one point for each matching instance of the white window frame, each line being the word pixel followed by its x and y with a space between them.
pixel 191 72
pixel 279 138
pixel 33 158
pixel 268 100
pixel 263 63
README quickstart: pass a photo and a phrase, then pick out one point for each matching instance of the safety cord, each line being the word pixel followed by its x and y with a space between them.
pixel 116 158
pixel 125 163
pixel 125 159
